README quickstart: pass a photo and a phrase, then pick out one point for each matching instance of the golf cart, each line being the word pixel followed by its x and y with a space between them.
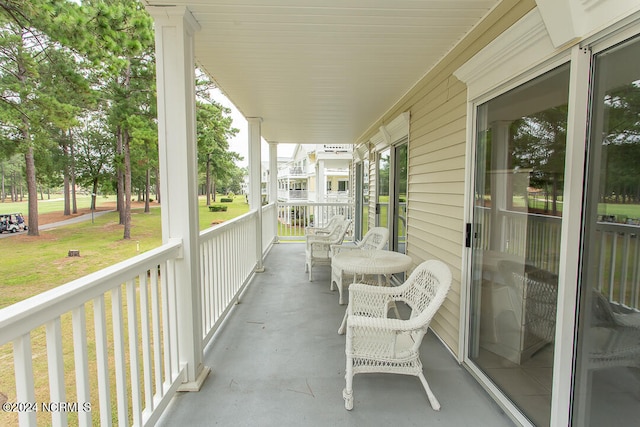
pixel 12 223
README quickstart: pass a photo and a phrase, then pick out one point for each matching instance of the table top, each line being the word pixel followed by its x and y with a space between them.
pixel 371 262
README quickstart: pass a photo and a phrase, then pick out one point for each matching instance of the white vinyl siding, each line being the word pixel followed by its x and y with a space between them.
pixel 437 147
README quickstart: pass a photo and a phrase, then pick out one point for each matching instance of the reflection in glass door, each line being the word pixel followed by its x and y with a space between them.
pixel 399 232
pixel 382 190
pixel 517 212
pixel 607 378
pixel 362 199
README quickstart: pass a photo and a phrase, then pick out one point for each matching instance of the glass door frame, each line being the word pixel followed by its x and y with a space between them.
pixel 358 196
pixel 570 235
pixel 391 219
pixel 394 197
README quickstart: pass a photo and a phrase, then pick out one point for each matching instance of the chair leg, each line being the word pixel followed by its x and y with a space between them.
pixel 347 393
pixel 334 279
pixel 310 272
pixel 432 398
pixel 343 325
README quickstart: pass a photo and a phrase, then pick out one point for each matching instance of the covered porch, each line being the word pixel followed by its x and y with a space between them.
pixel 331 73
pixel 277 360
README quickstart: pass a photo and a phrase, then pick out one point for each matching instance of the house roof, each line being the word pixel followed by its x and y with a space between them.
pixel 323 71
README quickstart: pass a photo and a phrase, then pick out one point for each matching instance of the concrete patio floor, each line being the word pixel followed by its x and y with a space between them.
pixel 278 360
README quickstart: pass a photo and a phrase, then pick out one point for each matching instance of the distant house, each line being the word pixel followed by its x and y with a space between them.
pixel 316 173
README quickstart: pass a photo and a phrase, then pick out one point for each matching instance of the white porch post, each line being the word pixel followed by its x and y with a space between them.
pixel 273 179
pixel 255 177
pixel 321 215
pixel 273 172
pixel 174 28
pixel 321 184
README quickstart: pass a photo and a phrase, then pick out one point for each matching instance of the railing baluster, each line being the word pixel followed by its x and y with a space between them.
pixel 635 279
pixel 173 318
pixel 612 265
pixel 624 268
pixel 56 369
pixel 79 321
pixel 25 392
pixel 602 261
pixel 166 325
pixel 104 395
pixel 157 346
pixel 146 342
pixel 134 362
pixel 119 356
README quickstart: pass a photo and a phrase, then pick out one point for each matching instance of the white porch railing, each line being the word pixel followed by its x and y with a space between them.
pixel 294 217
pixel 227 262
pixel 620 263
pixel 536 238
pixel 337 147
pixel 269 226
pixel 292 194
pixel 128 360
pixel 124 369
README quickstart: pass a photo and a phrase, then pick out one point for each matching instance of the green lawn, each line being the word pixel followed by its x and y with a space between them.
pixel 54 204
pixel 100 245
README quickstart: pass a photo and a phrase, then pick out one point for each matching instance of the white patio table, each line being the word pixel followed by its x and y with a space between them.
pixel 369 262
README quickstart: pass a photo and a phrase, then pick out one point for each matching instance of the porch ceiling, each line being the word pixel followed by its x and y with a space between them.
pixel 323 71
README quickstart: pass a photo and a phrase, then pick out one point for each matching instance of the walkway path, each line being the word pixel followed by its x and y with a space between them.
pixel 53 225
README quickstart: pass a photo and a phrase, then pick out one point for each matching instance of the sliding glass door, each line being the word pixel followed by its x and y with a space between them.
pixel 607 379
pixel 517 214
pixel 391 206
pixel 399 199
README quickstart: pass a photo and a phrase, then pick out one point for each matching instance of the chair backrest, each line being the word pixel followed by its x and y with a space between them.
pixel 426 289
pixel 376 238
pixel 334 221
pixel 337 235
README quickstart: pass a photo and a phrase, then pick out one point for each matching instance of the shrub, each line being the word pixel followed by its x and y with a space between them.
pixel 225 200
pixel 217 208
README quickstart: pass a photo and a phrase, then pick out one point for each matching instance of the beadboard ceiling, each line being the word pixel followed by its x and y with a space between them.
pixel 323 71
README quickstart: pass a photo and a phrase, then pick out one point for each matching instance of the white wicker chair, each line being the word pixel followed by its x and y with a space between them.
pixel 376 238
pixel 327 229
pixel 377 344
pixel 614 338
pixel 318 248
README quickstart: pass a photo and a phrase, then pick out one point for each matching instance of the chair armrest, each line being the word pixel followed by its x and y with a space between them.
pixel 318 239
pixel 336 249
pixel 314 231
pixel 385 324
pixel 369 301
pixel 318 245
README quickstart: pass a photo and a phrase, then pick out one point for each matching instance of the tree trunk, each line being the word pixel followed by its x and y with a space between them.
pixel 32 189
pixel 157 186
pixel 147 191
pixel 127 185
pixel 2 193
pixel 74 201
pixel 120 196
pixel 207 184
pixel 554 201
pixel 65 172
pixel 94 192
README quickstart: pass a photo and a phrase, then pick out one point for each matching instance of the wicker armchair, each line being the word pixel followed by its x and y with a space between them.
pixel 377 344
pixel 327 229
pixel 613 339
pixel 318 248
pixel 376 238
